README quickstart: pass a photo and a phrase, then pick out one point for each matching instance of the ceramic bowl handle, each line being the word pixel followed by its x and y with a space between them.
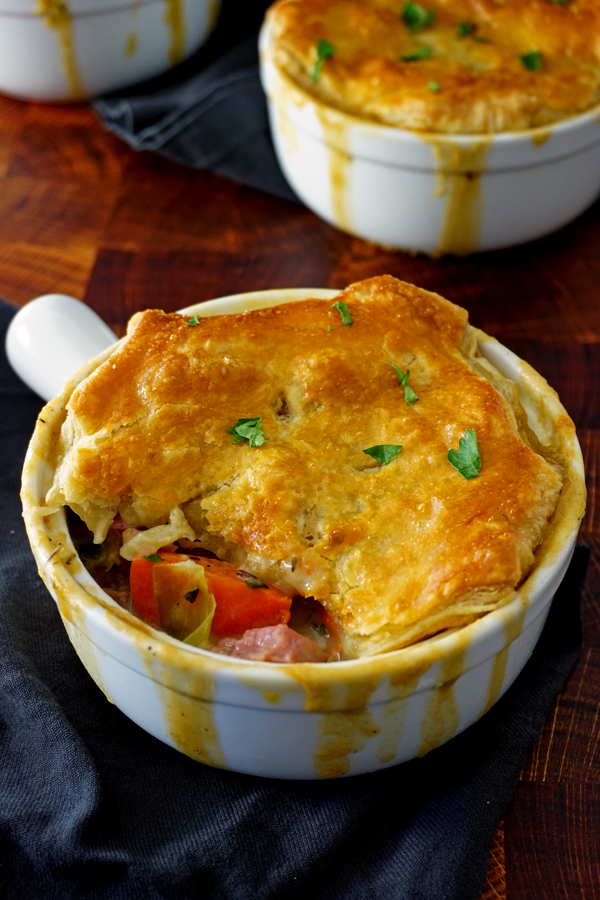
pixel 50 338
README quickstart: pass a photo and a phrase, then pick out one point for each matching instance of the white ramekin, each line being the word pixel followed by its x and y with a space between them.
pixel 426 192
pixel 306 720
pixel 104 45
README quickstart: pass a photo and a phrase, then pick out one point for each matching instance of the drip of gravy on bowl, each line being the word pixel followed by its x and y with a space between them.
pixel 57 16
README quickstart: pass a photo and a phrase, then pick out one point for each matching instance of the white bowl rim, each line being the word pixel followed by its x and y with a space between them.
pixel 531 595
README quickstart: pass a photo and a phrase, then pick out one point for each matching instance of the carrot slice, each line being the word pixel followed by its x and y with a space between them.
pixel 155 594
pixel 239 606
pixel 141 584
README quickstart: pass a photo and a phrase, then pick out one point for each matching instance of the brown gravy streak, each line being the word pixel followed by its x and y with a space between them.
pixel 513 628
pixel 175 21
pixel 57 16
pixel 458 173
pixel 442 717
pixel 335 138
pixel 186 695
pixel 346 723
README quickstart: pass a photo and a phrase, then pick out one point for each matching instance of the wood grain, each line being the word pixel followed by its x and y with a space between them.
pixel 546 858
pixel 495 883
pixel 568 751
pixel 49 235
pixel 11 123
pixel 82 214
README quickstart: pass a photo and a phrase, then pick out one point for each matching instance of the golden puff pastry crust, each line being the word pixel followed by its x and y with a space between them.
pixel 396 552
pixel 463 72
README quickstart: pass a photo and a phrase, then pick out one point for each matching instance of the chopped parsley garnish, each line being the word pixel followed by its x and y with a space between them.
pixel 532 61
pixel 416 18
pixel 193 321
pixel 434 86
pixel 255 583
pixel 561 2
pixel 251 580
pixel 248 430
pixel 466 459
pixel 409 394
pixel 154 557
pixel 342 308
pixel 325 50
pixel 465 28
pixel 421 53
pixel 384 453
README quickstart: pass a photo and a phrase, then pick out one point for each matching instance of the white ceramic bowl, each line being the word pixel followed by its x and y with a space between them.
pixel 429 192
pixel 101 46
pixel 305 720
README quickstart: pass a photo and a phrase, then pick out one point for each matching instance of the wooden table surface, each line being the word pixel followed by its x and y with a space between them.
pixel 81 214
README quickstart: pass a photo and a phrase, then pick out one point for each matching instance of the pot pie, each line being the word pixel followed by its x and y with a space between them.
pixel 359 464
pixel 448 66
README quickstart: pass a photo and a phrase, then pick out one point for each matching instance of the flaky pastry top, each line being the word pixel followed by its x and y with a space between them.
pixel 477 67
pixel 396 552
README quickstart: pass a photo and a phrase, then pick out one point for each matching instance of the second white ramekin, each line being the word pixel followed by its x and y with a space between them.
pixel 97 46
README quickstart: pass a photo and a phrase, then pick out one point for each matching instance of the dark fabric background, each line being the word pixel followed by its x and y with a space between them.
pixel 209 112
pixel 93 808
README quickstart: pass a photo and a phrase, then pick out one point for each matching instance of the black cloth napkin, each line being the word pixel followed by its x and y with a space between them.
pixel 210 112
pixel 93 808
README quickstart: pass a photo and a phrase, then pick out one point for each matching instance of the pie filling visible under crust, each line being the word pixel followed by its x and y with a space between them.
pixel 450 66
pixel 396 545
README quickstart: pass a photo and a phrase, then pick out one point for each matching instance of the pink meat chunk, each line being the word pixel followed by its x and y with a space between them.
pixel 275 643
